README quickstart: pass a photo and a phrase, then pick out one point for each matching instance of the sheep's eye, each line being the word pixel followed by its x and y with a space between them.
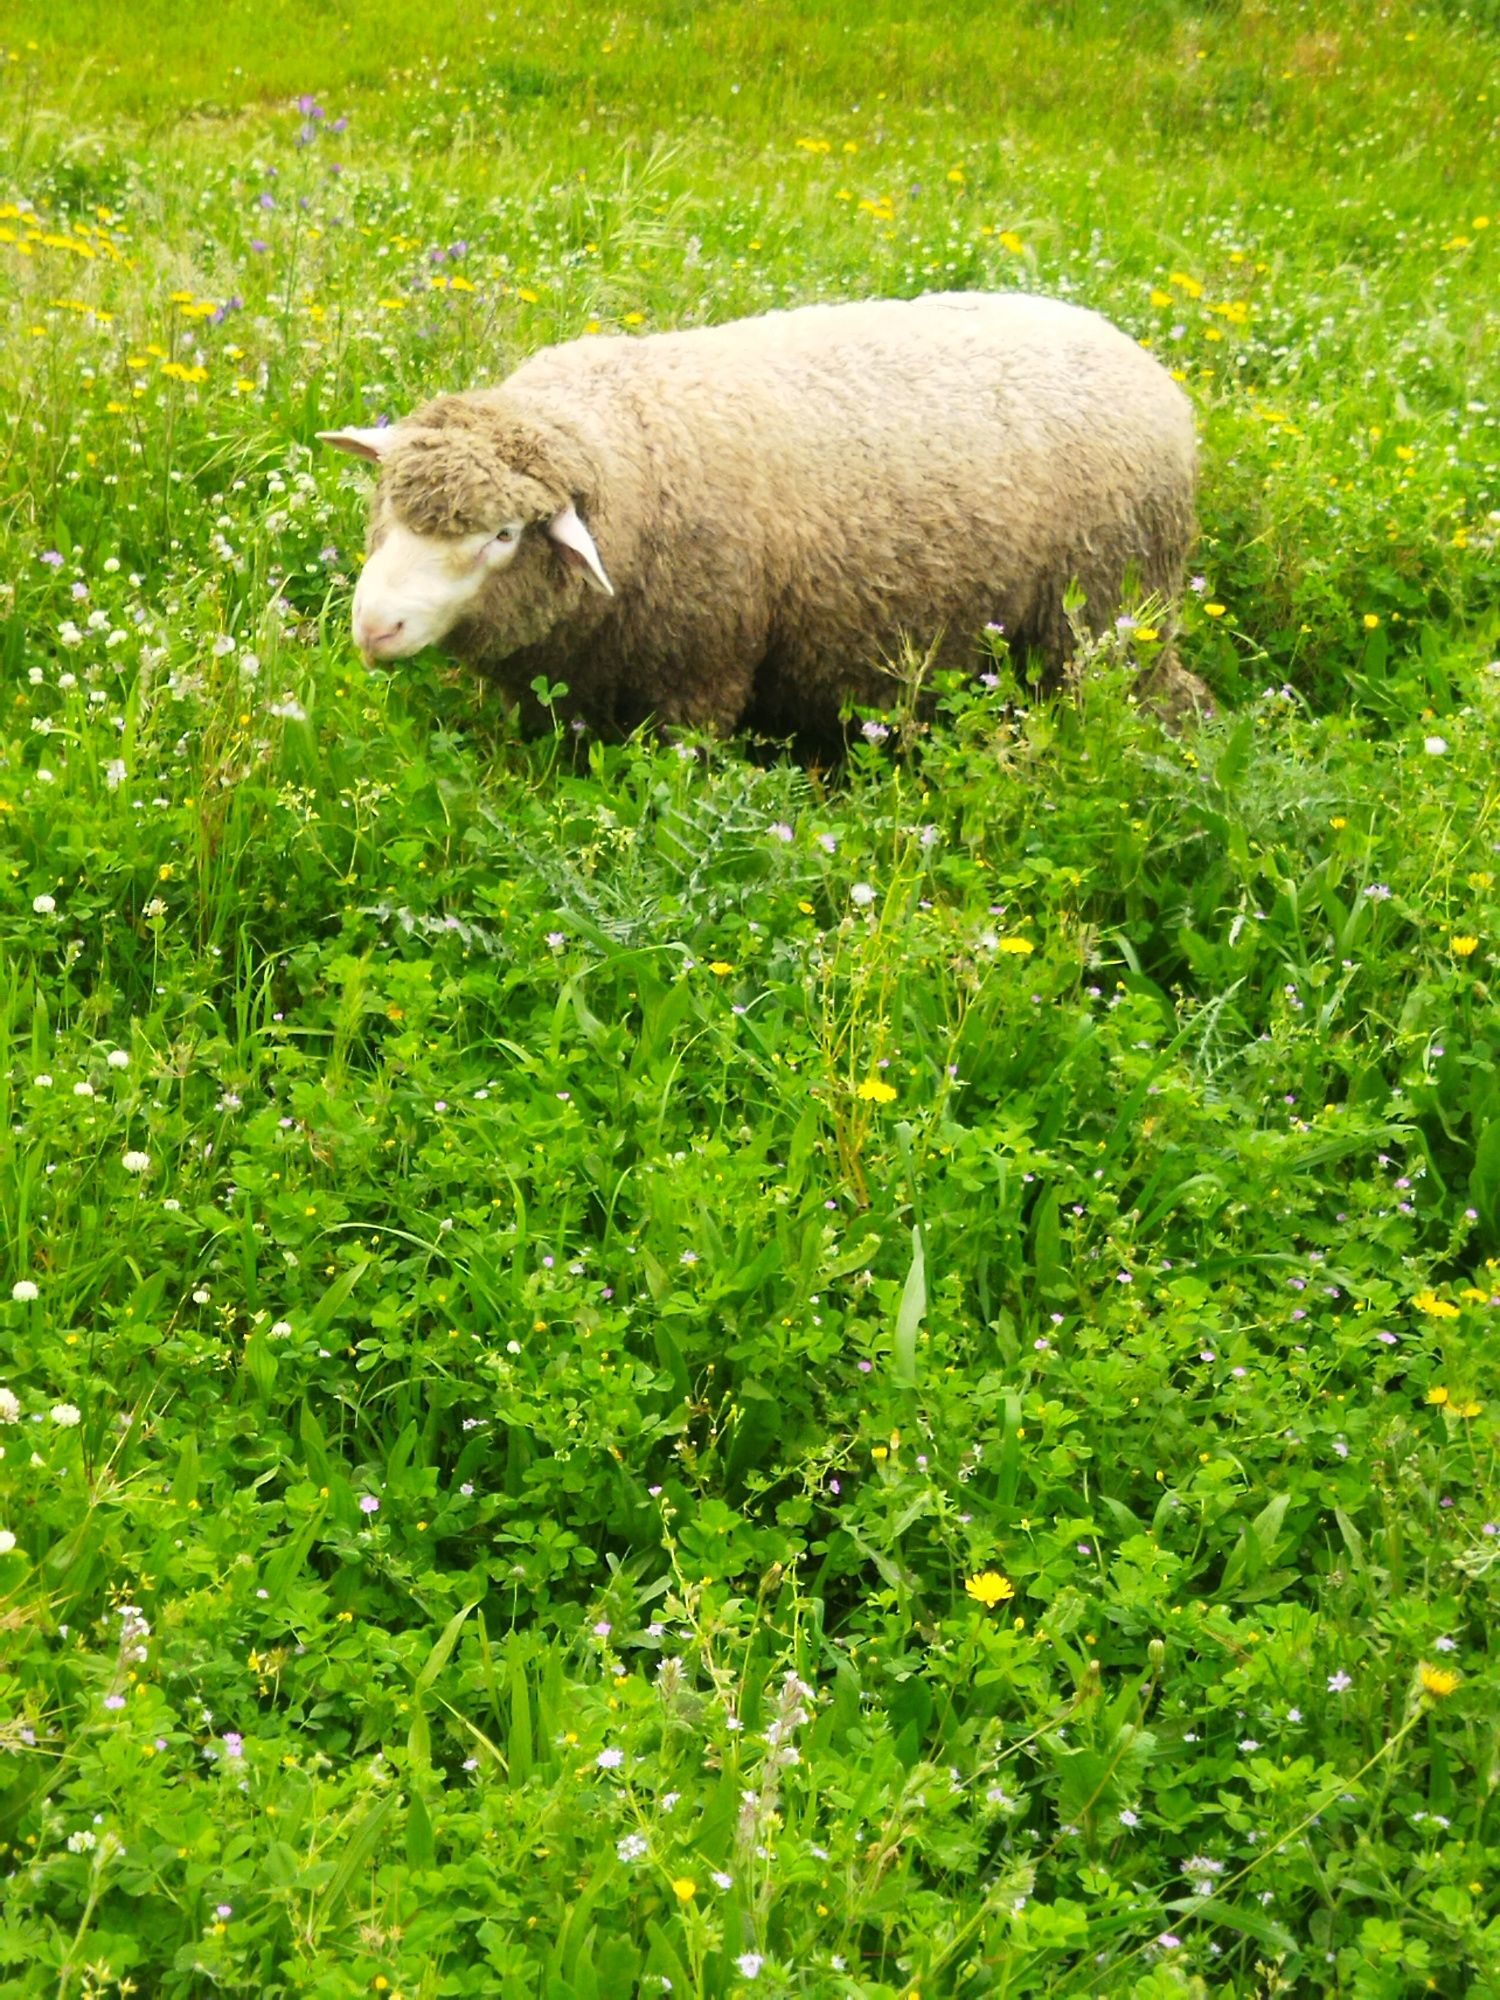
pixel 506 536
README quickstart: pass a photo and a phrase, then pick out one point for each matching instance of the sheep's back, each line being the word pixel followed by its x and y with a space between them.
pixel 809 487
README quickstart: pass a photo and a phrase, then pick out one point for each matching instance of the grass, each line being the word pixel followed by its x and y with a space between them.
pixel 681 1369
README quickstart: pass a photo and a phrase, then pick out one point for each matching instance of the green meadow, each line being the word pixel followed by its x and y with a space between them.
pixel 643 1368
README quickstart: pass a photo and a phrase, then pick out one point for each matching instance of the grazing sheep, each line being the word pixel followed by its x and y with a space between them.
pixel 732 525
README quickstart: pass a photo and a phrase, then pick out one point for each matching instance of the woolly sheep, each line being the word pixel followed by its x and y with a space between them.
pixel 742 524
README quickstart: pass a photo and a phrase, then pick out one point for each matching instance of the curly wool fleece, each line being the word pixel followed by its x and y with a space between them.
pixel 782 503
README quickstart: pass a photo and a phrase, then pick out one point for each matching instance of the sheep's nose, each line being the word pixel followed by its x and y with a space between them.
pixel 373 642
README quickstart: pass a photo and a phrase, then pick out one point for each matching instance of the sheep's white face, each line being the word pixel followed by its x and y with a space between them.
pixel 415 588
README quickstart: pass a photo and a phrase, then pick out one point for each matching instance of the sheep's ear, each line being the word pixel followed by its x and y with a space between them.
pixel 577 545
pixel 371 444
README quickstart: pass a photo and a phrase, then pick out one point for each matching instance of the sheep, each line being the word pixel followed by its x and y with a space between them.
pixel 742 525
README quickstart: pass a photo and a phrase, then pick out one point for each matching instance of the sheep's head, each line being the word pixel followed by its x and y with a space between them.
pixel 472 519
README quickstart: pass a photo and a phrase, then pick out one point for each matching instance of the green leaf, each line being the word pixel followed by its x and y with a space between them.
pixel 360 1846
pixel 421 1848
pixel 909 1315
pixel 337 1295
pixel 446 1641
pixel 1238 1917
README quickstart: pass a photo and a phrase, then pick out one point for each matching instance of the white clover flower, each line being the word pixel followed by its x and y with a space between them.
pixel 10 1406
pixel 66 1415
pixel 83 1089
pixel 82 1842
pixel 136 1163
pixel 23 1291
pixel 280 1329
pixel 118 1059
pixel 7 1541
pixel 1435 746
pixel 44 905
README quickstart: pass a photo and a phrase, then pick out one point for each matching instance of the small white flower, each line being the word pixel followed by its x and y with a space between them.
pixel 750 1963
pixel 82 1842
pixel 631 1846
pixel 721 1879
pixel 280 1329
pixel 1129 1818
pixel 44 905
pixel 862 895
pixel 10 1407
pixel 610 1758
pixel 83 1089
pixel 7 1541
pixel 118 1059
pixel 201 1296
pixel 23 1291
pixel 1435 746
pixel 66 1415
pixel 115 773
pixel 136 1163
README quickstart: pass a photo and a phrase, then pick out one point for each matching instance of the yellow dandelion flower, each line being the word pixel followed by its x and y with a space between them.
pixel 1146 632
pixel 990 1588
pixel 684 1888
pixel 1011 242
pixel 1440 1681
pixel 1189 285
pixel 1429 1302
pixel 1214 610
pixel 875 1090
pixel 1018 947
pixel 1372 619
pixel 1463 946
pixel 1161 298
pixel 1437 1394
pixel 635 319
